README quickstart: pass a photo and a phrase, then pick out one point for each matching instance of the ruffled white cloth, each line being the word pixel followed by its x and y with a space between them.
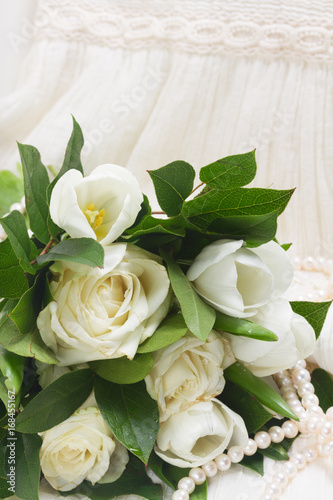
pixel 151 81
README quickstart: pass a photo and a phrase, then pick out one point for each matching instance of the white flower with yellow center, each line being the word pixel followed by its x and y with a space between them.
pixel 100 206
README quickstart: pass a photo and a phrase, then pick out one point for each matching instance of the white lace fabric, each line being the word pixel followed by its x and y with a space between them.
pixel 275 28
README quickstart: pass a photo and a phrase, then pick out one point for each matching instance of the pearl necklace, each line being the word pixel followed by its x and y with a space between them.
pixel 293 384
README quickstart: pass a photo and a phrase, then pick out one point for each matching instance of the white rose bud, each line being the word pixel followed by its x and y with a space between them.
pixel 188 371
pixel 82 447
pixel 200 433
pixel 296 340
pixel 105 313
pixel 100 206
pixel 237 280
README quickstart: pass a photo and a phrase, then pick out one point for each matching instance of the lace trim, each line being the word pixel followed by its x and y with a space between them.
pixel 209 27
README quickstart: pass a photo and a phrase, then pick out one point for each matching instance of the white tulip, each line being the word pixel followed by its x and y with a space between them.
pixel 296 340
pixel 237 280
pixel 81 447
pixel 200 433
pixel 105 313
pixel 100 206
pixel 188 371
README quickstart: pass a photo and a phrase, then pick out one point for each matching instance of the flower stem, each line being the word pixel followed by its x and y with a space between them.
pixel 197 187
pixel 44 251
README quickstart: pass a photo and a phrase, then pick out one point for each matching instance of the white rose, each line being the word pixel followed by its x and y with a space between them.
pixel 188 371
pixel 296 340
pixel 100 206
pixel 237 280
pixel 81 447
pixel 200 433
pixel 105 313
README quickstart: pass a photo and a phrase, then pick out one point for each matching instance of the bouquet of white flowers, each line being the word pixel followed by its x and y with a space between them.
pixel 130 341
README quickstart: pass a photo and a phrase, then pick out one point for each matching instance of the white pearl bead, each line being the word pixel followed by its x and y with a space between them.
pixel 236 454
pixel 328 448
pixel 306 388
pixel 281 478
pixel 299 460
pixel 290 469
pixel 326 429
pixel 300 376
pixel 302 427
pixel 198 475
pixel 310 454
pixel 251 447
pixel 223 462
pixel 187 484
pixel 315 410
pixel 309 400
pixel 301 364
pixel 276 433
pixel 210 469
pixel 329 413
pixel 295 405
pixel 263 439
pixel 285 382
pixel 290 429
pixel 313 424
pixel 309 264
pixel 287 388
pixel 290 396
pixel 301 413
pixel 274 489
pixel 180 495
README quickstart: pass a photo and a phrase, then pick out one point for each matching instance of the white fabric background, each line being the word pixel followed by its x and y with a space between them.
pixel 197 107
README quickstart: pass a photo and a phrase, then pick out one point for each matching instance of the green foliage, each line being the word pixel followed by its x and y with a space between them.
pixel 152 225
pixel 81 250
pixel 11 191
pixel 243 403
pixel 174 474
pixel 170 330
pixel 314 312
pixel 25 313
pixel 56 402
pixel 230 172
pixel 123 370
pixel 130 413
pixel 27 345
pixel 16 230
pixel 27 466
pixel 267 396
pixel 243 327
pixel 36 181
pixel 13 282
pixel 323 384
pixel 254 462
pixel 173 184
pixel 199 316
pixel 134 481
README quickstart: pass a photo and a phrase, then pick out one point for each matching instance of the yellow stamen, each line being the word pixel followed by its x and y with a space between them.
pixel 94 217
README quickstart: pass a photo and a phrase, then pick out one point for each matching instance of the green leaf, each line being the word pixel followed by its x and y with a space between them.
pixel 230 172
pixel 124 370
pixel 243 327
pixel 134 481
pixel 151 225
pixel 173 184
pixel 4 492
pixel 323 384
pixel 27 345
pixel 25 313
pixel 314 312
pixel 241 376
pixel 12 367
pixel 157 465
pixel 56 402
pixel 27 466
pixel 36 182
pixel 174 474
pixel 243 403
pixel 198 315
pixel 13 282
pixel 11 191
pixel 275 451
pixel 254 462
pixel 170 330
pixel 81 250
pixel 131 414
pixel 16 230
